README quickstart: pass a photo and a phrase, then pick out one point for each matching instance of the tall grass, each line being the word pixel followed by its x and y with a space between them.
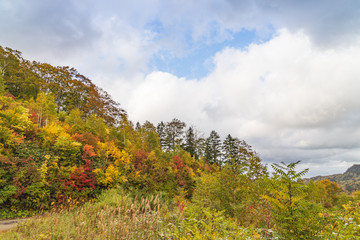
pixel 115 215
pixel 118 214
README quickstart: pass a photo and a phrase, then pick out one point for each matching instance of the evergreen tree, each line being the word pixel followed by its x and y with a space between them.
pixel 137 126
pixel 213 148
pixel 230 149
pixel 190 141
pixel 200 147
pixel 194 142
pixel 160 129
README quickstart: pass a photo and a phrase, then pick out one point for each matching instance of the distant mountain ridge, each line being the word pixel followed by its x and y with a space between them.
pixel 349 180
pixel 354 169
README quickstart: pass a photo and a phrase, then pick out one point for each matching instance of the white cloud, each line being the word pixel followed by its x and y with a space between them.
pixel 162 96
pixel 291 81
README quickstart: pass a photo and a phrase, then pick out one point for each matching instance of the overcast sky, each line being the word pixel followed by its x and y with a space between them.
pixel 282 75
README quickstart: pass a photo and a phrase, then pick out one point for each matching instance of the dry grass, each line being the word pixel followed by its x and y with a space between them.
pixel 115 216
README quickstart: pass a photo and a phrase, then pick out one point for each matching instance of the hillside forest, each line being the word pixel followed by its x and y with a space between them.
pixel 70 155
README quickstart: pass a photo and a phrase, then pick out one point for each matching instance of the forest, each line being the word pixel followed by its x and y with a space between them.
pixel 71 159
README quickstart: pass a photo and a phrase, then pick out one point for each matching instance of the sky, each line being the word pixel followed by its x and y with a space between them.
pixel 282 75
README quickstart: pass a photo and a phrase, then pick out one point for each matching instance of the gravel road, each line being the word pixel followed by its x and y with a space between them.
pixel 9 224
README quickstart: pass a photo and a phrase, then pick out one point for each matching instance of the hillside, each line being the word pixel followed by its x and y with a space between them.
pixel 64 140
pixel 25 80
pixel 68 151
pixel 349 180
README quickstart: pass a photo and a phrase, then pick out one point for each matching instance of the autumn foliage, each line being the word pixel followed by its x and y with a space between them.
pixel 64 141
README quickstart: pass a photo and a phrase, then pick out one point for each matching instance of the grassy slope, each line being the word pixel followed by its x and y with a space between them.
pixel 115 215
pixel 119 215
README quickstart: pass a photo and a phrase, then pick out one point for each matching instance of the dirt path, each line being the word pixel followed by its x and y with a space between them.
pixel 6 225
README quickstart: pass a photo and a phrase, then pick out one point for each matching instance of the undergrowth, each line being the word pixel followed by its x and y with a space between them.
pixel 118 214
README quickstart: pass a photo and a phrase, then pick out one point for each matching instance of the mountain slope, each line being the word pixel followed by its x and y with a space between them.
pixel 349 180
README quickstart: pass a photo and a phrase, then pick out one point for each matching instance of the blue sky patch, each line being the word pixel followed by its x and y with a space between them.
pixel 197 62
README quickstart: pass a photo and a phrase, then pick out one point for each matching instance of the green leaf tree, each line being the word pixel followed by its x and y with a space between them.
pixel 45 108
pixel 294 218
pixel 171 134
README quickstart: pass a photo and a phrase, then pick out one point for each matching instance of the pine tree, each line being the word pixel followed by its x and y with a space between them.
pixel 137 126
pixel 213 148
pixel 230 149
pixel 190 141
pixel 160 129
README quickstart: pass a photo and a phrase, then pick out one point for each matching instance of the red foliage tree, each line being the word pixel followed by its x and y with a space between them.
pixel 82 178
pixel 139 161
